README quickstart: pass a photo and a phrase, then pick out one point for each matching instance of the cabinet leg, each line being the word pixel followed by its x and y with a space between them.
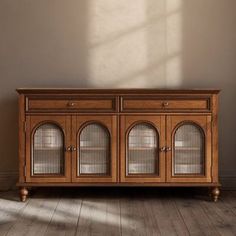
pixel 23 194
pixel 215 193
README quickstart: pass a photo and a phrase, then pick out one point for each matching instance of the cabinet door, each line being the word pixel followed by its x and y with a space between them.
pixel 94 148
pixel 188 149
pixel 46 157
pixel 142 156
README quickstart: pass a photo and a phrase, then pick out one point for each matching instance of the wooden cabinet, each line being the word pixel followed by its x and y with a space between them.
pixel 119 137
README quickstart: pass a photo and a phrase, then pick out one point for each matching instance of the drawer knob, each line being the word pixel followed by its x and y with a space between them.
pixel 71 104
pixel 165 104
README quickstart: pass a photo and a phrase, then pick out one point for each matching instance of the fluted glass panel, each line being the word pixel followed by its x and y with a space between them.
pixel 142 150
pixel 48 155
pixel 188 150
pixel 94 150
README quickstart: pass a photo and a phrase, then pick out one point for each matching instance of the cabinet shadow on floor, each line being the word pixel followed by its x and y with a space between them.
pixel 136 193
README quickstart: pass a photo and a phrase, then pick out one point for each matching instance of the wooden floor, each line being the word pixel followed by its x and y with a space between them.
pixel 118 211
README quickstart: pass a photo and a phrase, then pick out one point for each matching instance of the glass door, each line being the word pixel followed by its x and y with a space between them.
pixel 94 148
pixel 188 148
pixel 47 157
pixel 142 151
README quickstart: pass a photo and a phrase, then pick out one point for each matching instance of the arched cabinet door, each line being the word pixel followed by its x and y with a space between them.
pixel 94 149
pixel 46 157
pixel 142 156
pixel 189 149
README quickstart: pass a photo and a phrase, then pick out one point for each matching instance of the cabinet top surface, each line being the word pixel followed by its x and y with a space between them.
pixel 114 91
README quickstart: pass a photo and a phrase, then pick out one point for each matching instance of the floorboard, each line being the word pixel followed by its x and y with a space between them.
pixel 117 212
pixel 221 218
pixel 197 222
pixel 36 215
pixel 229 199
pixel 65 217
pixel 137 217
pixel 10 210
pixel 169 218
pixel 99 215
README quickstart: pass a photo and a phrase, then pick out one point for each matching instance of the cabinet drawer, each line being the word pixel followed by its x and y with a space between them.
pixel 164 104
pixel 106 104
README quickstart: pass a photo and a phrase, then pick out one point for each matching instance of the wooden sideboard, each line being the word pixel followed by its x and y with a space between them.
pixel 121 137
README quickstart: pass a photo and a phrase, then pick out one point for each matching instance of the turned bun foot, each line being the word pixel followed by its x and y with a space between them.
pixel 215 193
pixel 23 194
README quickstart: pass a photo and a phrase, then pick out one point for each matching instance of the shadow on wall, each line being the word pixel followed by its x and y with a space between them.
pixel 110 43
pixel 8 136
pixel 208 61
pixel 43 44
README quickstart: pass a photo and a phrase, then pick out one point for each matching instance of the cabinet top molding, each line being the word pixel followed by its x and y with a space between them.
pixel 114 91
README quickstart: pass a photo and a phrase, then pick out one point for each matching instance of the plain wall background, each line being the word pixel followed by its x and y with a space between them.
pixel 118 43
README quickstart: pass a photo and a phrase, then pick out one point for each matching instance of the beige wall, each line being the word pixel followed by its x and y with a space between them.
pixel 117 43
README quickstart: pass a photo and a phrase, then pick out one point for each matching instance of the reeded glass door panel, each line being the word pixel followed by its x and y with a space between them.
pixel 188 150
pixel 94 150
pixel 142 150
pixel 48 150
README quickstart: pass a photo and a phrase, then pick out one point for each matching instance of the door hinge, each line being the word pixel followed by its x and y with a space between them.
pixel 25 126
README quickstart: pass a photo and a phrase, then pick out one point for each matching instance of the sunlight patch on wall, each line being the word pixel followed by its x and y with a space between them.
pixel 174 72
pixel 118 59
pixel 117 39
pixel 173 5
pixel 109 19
pixel 134 43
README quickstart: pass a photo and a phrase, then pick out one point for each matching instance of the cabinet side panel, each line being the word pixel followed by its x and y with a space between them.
pixel 215 178
pixel 21 137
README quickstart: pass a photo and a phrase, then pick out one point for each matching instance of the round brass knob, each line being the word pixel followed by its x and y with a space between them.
pixel 162 149
pixel 168 149
pixel 68 149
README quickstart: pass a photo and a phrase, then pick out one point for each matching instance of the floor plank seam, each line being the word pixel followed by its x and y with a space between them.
pixel 226 205
pixel 181 216
pixel 207 214
pixel 77 224
pixel 18 214
pixel 120 218
pixel 52 216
